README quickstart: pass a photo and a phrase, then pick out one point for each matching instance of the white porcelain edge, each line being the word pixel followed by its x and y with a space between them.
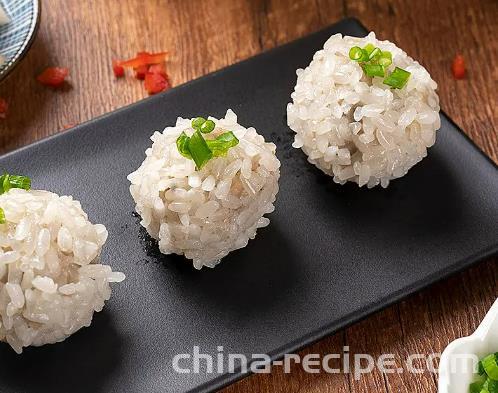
pixel 481 343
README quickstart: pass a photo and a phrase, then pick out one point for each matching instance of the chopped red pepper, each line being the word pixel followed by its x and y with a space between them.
pixel 150 68
pixel 155 82
pixel 117 68
pixel 458 67
pixel 145 59
pixel 70 125
pixel 4 107
pixel 53 76
pixel 158 69
pixel 140 72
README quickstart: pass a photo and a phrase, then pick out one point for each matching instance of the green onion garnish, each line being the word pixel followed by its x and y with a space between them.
pixel 222 143
pixel 369 48
pixel 203 125
pixel 490 365
pixel 23 182
pixel 364 56
pixel 182 143
pixel 355 53
pixel 492 386
pixel 4 183
pixel 489 386
pixel 488 369
pixel 207 126
pixel 372 70
pixel 198 122
pixel 385 59
pixel 480 368
pixel 199 150
pixel 374 62
pixel 398 78
pixel 375 54
pixel 14 181
pixel 476 387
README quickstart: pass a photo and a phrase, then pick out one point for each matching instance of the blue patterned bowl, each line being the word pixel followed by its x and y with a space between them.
pixel 17 36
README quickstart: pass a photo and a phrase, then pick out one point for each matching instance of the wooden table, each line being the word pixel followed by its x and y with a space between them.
pixel 206 35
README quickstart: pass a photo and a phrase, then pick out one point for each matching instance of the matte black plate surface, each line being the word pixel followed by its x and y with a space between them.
pixel 331 255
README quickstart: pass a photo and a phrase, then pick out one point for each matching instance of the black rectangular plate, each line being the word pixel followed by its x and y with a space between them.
pixel 331 255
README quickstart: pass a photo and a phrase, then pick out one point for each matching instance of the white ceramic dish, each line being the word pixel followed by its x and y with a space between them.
pixel 457 367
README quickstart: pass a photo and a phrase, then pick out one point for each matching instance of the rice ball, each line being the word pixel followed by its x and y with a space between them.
pixel 356 128
pixel 51 279
pixel 204 214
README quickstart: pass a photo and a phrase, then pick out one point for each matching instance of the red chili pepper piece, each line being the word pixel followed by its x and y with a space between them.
pixel 155 83
pixel 4 107
pixel 145 59
pixel 158 69
pixel 53 76
pixel 458 67
pixel 140 72
pixel 118 69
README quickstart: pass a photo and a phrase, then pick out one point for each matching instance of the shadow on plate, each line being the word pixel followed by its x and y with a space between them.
pixel 245 276
pixel 428 201
pixel 65 367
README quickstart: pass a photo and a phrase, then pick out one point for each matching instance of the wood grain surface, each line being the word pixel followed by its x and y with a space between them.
pixel 206 35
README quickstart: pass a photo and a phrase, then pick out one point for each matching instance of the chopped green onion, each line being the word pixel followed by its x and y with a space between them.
pixel 207 126
pixel 364 55
pixel 490 366
pixel 476 387
pixel 199 150
pixel 375 54
pixel 480 368
pixel 374 62
pixel 369 48
pixel 355 53
pixel 23 182
pixel 14 181
pixel 222 143
pixel 2 216
pixel 492 386
pixel 398 78
pixel 489 386
pixel 198 122
pixel 385 59
pixel 373 70
pixel 4 183
pixel 182 144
